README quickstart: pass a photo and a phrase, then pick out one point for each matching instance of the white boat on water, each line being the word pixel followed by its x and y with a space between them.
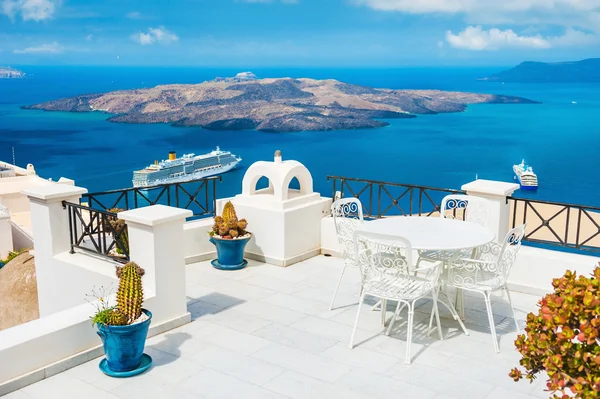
pixel 188 167
pixel 524 174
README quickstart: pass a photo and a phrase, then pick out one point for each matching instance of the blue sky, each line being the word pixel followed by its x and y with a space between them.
pixel 297 32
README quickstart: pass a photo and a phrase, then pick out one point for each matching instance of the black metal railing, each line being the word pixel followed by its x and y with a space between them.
pixel 199 196
pixel 557 224
pixel 97 231
pixel 382 199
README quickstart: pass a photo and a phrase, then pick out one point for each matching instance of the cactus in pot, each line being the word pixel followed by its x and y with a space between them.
pixel 123 328
pixel 230 236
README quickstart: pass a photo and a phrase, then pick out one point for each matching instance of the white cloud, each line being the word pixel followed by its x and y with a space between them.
pixel 476 38
pixel 471 6
pixel 580 13
pixel 52 48
pixel 417 6
pixel 35 10
pixel 574 38
pixel 580 20
pixel 155 35
pixel 134 15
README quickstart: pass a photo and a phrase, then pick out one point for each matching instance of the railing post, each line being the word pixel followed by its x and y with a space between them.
pixel 50 227
pixel 495 192
pixel 155 243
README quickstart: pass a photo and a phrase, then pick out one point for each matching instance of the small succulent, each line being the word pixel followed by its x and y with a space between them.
pixel 228 225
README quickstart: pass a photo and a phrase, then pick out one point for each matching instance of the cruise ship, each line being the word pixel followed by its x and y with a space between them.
pixel 524 174
pixel 188 167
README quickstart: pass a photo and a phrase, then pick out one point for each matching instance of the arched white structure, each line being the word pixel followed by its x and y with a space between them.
pixel 285 221
pixel 280 175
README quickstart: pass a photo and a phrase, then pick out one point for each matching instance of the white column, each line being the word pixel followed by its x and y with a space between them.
pixel 156 243
pixel 50 227
pixel 495 192
pixel 6 239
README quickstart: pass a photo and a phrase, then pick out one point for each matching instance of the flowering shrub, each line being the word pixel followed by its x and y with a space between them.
pixel 563 338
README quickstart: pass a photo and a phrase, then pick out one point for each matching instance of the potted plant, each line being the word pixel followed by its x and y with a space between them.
pixel 230 237
pixel 123 328
pixel 562 340
pixel 118 227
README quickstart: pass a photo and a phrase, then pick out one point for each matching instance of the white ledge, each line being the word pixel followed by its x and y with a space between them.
pixel 490 187
pixel 155 215
pixel 54 192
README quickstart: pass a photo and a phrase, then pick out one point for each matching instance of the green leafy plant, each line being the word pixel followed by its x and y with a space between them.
pixel 106 313
pixel 562 339
pixel 227 225
pixel 12 255
pixel 130 296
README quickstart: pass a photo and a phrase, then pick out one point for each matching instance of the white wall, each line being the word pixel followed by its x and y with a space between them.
pixel 285 232
pixel 21 237
pixel 535 268
pixel 196 246
pixel 6 236
pixel 72 277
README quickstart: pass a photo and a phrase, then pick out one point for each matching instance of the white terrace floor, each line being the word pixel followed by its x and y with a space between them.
pixel 266 332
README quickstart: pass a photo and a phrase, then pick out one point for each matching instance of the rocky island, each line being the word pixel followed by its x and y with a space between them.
pixel 271 105
pixel 584 71
pixel 10 73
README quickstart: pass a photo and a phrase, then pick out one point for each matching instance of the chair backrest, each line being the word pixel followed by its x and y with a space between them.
pixel 469 208
pixel 493 265
pixel 510 249
pixel 386 263
pixel 347 216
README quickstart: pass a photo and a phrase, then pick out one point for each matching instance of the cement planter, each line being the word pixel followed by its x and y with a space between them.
pixel 230 252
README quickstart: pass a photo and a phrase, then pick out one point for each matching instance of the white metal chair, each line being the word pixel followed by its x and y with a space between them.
pixel 471 208
pixel 347 216
pixel 489 272
pixel 387 272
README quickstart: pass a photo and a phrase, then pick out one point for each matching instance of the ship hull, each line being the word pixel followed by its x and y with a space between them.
pixel 528 188
pixel 187 177
pixel 530 184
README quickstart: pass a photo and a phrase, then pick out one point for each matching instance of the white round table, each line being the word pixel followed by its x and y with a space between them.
pixel 432 233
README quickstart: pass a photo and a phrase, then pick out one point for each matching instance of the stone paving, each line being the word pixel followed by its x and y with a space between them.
pixel 267 332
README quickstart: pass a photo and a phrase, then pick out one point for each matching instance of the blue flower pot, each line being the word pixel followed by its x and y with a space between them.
pixel 230 253
pixel 124 345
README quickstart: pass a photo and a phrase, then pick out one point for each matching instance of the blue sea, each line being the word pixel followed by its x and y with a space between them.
pixel 560 139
